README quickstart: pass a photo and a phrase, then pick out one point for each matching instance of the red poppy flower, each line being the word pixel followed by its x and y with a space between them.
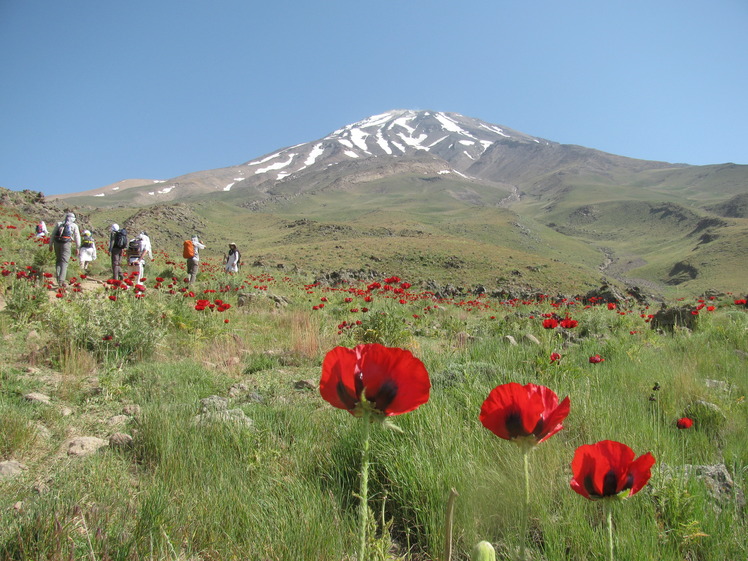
pixel 596 359
pixel 550 323
pixel 391 379
pixel 531 412
pixel 568 323
pixel 684 423
pixel 555 357
pixel 608 468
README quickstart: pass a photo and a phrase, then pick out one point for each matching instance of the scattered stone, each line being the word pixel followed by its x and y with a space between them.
pixel 232 361
pixel 32 370
pixel 36 397
pixel 213 403
pixel 118 420
pixel 235 416
pixel 530 338
pixel 11 468
pixel 511 340
pixel 18 506
pixel 238 389
pixel 720 385
pixel 707 416
pixel 668 319
pixel 719 484
pixel 43 431
pixel 741 354
pixel 304 385
pixel 254 397
pixel 120 440
pixel 132 409
pixel 85 445
pixel 462 338
pixel 66 411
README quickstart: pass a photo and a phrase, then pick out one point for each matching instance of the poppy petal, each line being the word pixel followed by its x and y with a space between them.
pixel 553 421
pixel 337 384
pixel 641 471
pixel 395 380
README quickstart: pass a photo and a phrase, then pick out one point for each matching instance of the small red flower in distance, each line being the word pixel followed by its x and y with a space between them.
pixel 595 359
pixel 392 380
pixel 550 323
pixel 555 357
pixel 527 414
pixel 684 423
pixel 608 468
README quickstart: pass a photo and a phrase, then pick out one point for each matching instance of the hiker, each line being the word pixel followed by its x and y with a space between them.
pixel 232 260
pixel 117 246
pixel 87 251
pixel 63 235
pixel 191 253
pixel 135 255
pixel 41 230
pixel 147 245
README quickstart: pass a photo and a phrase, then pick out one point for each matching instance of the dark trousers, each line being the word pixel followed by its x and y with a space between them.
pixel 116 264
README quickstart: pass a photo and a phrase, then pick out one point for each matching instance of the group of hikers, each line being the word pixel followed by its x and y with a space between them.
pixel 134 251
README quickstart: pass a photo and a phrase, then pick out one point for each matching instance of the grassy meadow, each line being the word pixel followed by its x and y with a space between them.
pixel 268 470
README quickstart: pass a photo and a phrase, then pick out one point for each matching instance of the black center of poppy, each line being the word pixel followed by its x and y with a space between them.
pixel 610 484
pixel 348 400
pixel 385 396
pixel 514 424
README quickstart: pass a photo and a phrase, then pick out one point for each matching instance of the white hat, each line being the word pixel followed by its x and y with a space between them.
pixel 115 227
pixel 86 232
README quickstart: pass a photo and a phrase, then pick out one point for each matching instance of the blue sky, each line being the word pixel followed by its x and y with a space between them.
pixel 93 92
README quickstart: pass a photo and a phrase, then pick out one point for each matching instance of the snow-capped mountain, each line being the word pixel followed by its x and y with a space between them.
pixel 395 142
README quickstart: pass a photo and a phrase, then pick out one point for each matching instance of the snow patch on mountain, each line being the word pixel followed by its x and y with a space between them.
pixel 277 165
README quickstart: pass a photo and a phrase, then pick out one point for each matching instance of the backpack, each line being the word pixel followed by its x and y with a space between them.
pixel 188 251
pixel 87 241
pixel 134 248
pixel 63 232
pixel 120 239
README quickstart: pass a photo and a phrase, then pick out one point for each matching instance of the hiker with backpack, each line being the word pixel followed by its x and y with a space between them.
pixel 41 230
pixel 117 246
pixel 87 251
pixel 190 252
pixel 64 234
pixel 135 255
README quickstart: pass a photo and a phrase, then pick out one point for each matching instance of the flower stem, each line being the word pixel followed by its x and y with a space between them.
pixel 526 510
pixel 364 493
pixel 609 508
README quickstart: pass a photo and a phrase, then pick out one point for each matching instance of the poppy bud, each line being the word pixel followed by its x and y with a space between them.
pixel 483 551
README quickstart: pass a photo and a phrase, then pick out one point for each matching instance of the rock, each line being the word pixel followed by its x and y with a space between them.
pixel 36 397
pixel 131 409
pixel 66 411
pixel 718 482
pixel 706 415
pixel 530 338
pixel 120 440
pixel 11 468
pixel 118 420
pixel 304 385
pixel 213 403
pixel 238 389
pixel 232 361
pixel 85 445
pixel 668 319
pixel 720 385
pixel 235 416
pixel 43 431
pixel 511 340
pixel 254 397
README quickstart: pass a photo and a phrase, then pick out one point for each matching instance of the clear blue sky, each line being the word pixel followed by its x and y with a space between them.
pixel 96 91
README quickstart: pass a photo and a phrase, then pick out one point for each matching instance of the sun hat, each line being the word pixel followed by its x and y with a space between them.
pixel 115 227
